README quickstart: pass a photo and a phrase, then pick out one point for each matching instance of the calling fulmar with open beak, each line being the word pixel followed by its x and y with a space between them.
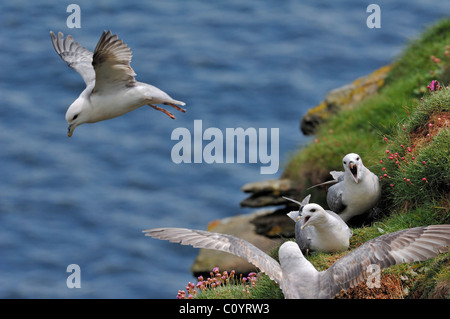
pixel 354 170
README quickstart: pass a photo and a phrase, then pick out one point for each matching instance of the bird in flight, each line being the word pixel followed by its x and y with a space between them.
pixel 111 89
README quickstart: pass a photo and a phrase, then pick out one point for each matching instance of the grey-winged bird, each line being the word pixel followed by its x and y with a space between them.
pixel 355 191
pixel 317 229
pixel 111 89
pixel 298 278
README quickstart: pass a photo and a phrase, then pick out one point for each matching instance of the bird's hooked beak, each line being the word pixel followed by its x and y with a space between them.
pixel 354 170
pixel 305 221
pixel 70 129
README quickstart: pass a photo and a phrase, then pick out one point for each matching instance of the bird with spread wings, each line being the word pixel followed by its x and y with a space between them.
pixel 111 88
pixel 298 278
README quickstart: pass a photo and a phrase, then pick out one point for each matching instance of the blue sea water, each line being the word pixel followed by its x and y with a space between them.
pixel 85 200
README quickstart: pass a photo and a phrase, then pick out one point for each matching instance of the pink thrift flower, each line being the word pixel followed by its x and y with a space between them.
pixel 434 85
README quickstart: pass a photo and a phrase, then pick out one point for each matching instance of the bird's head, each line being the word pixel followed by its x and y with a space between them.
pixel 353 165
pixel 75 116
pixel 312 214
pixel 295 215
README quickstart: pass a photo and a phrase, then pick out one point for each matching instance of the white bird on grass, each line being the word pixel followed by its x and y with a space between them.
pixel 356 190
pixel 298 278
pixel 317 229
pixel 111 89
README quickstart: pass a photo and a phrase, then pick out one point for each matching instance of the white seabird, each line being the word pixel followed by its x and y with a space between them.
pixel 298 278
pixel 111 89
pixel 317 229
pixel 356 190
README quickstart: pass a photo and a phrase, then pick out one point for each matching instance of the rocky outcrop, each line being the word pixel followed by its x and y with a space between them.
pixel 268 192
pixel 344 97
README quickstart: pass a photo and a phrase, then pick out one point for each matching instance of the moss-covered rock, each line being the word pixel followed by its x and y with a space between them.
pixel 343 98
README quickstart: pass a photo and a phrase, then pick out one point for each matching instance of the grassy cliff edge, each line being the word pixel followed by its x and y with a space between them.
pixel 402 134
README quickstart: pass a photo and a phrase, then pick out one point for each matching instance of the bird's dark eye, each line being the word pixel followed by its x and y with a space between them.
pixel 312 210
pixel 357 158
pixel 345 162
pixel 75 117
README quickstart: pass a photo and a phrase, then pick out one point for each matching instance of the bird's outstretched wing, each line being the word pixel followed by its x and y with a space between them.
pixel 76 56
pixel 222 242
pixel 111 62
pixel 408 245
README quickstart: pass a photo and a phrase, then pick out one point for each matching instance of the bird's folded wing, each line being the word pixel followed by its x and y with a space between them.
pixel 338 176
pixel 334 198
pixel 222 242
pixel 111 63
pixel 76 56
pixel 294 215
pixel 408 245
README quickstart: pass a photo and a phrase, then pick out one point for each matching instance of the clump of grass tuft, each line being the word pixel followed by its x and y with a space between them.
pixel 415 167
pixel 434 283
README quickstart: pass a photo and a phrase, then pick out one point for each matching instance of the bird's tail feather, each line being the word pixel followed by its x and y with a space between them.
pixel 178 102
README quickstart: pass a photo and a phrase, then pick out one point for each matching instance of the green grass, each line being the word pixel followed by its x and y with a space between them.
pixel 415 167
pixel 394 119
pixel 361 129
